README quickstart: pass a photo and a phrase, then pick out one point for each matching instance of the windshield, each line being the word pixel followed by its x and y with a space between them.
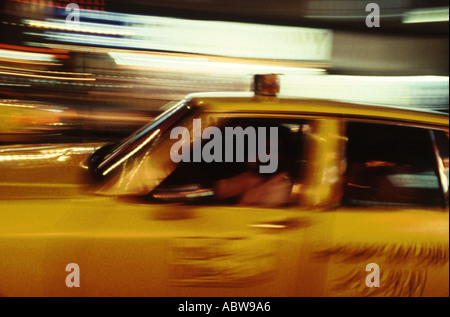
pixel 144 136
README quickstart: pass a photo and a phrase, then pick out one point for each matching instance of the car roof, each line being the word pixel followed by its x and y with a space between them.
pixel 248 102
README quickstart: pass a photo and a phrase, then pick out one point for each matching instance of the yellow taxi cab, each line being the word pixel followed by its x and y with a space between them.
pixel 243 194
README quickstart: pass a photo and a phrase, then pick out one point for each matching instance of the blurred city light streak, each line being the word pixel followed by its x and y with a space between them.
pixel 17 85
pixel 31 121
pixel 46 71
pixel 86 27
pixel 195 64
pixel 234 39
pixel 44 154
pixel 338 9
pixel 45 77
pixel 83 4
pixel 427 15
pixel 55 52
pixel 409 91
pixel 24 56
pixel 22 104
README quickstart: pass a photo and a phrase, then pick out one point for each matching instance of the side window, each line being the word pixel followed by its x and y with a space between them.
pixel 390 165
pixel 237 179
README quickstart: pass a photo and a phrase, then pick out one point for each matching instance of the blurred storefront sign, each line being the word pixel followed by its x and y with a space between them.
pixel 231 39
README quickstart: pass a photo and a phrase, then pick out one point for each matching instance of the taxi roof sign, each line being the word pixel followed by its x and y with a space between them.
pixel 266 85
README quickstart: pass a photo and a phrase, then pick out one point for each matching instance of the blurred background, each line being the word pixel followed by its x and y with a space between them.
pixel 105 68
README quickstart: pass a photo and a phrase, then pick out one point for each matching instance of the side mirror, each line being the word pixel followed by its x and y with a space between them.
pixel 183 193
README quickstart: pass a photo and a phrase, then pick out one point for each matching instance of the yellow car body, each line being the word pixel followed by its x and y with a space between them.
pixel 127 242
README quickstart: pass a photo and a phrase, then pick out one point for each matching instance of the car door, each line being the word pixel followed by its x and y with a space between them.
pixel 229 249
pixel 393 221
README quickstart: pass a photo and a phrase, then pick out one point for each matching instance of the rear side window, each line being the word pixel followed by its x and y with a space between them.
pixel 391 165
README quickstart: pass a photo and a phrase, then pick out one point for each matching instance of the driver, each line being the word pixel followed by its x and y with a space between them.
pixel 255 189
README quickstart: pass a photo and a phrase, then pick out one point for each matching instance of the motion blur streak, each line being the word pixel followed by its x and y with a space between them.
pixel 96 28
pixel 426 15
pixel 409 91
pixel 47 77
pixel 200 64
pixel 203 37
pixel 26 56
